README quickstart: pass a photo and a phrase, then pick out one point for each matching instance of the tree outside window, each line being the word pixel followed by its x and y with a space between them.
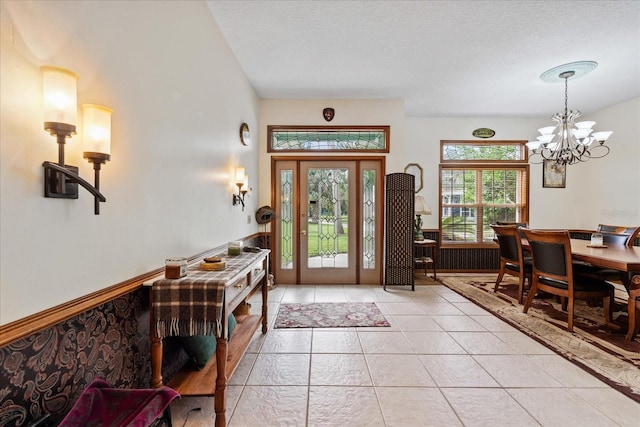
pixel 481 183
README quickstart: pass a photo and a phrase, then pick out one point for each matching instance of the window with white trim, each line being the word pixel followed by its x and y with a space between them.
pixel 481 182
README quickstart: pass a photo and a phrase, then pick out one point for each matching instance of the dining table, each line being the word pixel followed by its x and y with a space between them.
pixel 616 257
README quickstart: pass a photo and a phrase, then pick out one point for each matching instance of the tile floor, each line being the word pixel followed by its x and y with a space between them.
pixel 443 362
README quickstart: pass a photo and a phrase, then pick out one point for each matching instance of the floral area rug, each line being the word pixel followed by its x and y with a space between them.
pixel 606 355
pixel 329 315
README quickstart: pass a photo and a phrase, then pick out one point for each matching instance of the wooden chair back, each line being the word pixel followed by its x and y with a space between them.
pixel 510 243
pixel 551 254
pixel 617 234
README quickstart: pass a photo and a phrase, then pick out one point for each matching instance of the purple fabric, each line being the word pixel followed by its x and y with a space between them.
pixel 101 405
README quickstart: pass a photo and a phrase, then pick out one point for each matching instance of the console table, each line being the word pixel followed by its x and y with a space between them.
pixel 210 296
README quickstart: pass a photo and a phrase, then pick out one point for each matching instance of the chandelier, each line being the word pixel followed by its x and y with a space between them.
pixel 569 142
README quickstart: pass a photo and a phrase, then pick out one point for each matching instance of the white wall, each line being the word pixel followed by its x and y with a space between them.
pixel 611 185
pixel 599 191
pixel 179 97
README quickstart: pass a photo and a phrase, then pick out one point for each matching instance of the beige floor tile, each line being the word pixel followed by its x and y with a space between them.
pixel 274 295
pixel 263 406
pixel 433 343
pixel 515 371
pixel 243 369
pixel 482 343
pixel 287 341
pixel 440 309
pixel 522 343
pixel 458 324
pixel 487 407
pixel 416 323
pixel 559 407
pixel 359 294
pixel 343 407
pixel 428 294
pixel 299 293
pixel 471 309
pixel 272 308
pixel 398 370
pixel 330 294
pixel 492 323
pixel 384 342
pixel 334 341
pixel 612 403
pixel 453 370
pixel 402 308
pixel 413 407
pixel 257 340
pixel 452 296
pixel 394 294
pixel 339 369
pixel 280 369
pixel 565 372
pixel 191 411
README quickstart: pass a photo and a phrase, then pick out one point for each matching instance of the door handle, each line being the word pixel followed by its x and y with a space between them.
pixel 304 232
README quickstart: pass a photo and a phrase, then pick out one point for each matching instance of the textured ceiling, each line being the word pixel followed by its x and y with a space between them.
pixel 443 58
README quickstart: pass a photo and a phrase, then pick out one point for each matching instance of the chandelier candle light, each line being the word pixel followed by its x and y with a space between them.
pixel 421 208
pixel 569 142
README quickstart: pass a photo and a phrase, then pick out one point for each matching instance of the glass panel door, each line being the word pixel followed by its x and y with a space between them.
pixel 327 222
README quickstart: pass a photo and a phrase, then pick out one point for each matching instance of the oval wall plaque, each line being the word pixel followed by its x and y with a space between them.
pixel 484 133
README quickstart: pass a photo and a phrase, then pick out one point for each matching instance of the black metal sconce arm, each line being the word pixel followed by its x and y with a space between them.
pixel 73 177
pixel 238 199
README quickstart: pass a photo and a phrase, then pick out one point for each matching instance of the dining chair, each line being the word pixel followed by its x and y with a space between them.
pixel 512 260
pixel 612 235
pixel 553 273
pixel 517 224
pixel 618 234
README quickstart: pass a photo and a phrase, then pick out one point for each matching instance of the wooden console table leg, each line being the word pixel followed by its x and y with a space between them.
pixel 265 291
pixel 156 348
pixel 220 398
pixel 434 256
pixel 156 361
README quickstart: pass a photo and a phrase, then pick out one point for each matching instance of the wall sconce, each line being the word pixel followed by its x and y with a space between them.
pixel 242 181
pixel 60 116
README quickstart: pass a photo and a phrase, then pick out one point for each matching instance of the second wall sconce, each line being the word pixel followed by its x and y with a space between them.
pixel 60 116
pixel 242 182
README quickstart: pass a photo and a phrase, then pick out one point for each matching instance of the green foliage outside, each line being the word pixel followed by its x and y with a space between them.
pixel 496 198
pixel 327 241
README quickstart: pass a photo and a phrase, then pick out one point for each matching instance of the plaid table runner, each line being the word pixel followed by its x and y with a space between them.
pixel 192 305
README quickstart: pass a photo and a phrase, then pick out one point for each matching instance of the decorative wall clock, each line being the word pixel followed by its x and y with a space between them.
pixel 245 135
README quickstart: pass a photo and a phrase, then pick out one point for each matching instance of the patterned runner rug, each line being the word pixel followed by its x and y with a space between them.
pixel 606 355
pixel 329 315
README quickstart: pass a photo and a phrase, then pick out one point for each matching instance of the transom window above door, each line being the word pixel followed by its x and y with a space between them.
pixel 361 139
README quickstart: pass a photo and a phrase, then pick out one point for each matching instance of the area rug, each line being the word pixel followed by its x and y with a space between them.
pixel 329 315
pixel 606 355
